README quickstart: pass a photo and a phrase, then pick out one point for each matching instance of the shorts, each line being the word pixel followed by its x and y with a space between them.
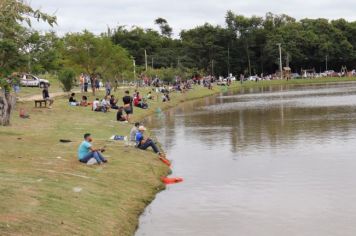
pixel 128 110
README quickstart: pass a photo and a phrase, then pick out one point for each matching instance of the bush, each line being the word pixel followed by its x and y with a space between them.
pixel 67 78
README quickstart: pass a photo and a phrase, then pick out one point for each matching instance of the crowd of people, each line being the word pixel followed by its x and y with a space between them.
pixel 124 110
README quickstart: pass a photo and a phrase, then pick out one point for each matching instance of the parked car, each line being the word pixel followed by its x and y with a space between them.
pixel 254 78
pixel 29 80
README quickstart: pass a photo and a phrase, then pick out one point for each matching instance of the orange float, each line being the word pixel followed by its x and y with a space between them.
pixel 165 161
pixel 175 180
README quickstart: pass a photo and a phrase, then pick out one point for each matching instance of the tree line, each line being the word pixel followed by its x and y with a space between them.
pixel 244 45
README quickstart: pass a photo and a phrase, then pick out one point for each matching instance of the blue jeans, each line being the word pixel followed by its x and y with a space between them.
pixel 147 144
pixel 97 155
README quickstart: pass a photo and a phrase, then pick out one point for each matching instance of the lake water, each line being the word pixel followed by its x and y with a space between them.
pixel 274 161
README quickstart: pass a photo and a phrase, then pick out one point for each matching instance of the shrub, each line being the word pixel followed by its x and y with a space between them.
pixel 67 78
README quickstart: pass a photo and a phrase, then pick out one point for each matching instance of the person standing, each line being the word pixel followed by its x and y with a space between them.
pixel 116 84
pixel 86 151
pixel 45 95
pixel 108 88
pixel 127 100
pixel 81 82
pixel 93 83
pixel 86 83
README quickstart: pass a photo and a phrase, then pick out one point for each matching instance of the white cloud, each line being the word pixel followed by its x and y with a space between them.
pixel 94 15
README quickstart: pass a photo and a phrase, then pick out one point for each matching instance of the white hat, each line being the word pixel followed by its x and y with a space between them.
pixel 141 128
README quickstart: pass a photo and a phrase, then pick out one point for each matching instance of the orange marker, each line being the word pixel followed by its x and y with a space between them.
pixel 167 180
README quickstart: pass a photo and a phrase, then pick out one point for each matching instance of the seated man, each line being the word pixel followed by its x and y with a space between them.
pixel 72 100
pixel 96 105
pixel 133 132
pixel 165 97
pixel 149 95
pixel 144 143
pixel 86 151
pixel 120 115
pixel 113 102
pixel 105 104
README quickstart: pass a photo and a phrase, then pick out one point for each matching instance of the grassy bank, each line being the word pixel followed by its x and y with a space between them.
pixel 45 191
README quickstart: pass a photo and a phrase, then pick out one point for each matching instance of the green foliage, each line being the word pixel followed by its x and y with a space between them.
pixel 13 34
pixel 67 78
pixel 92 54
pixel 166 30
pixel 161 50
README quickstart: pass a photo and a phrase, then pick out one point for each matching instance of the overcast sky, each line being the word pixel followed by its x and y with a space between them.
pixel 96 15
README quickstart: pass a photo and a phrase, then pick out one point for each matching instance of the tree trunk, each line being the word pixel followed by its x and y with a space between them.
pixel 7 103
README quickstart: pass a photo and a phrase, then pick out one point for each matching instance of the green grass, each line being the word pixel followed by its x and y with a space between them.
pixel 38 173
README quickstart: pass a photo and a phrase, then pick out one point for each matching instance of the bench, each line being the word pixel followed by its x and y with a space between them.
pixel 40 102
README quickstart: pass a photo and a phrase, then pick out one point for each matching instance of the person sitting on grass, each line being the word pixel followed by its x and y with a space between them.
pixel 145 142
pixel 120 115
pixel 113 102
pixel 133 132
pixel 138 102
pixel 72 100
pixel 105 104
pixel 84 101
pixel 149 95
pixel 97 105
pixel 165 97
pixel 86 151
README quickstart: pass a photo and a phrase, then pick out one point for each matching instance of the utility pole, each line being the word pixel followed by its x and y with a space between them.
pixel 280 59
pixel 146 59
pixel 134 67
pixel 326 62
pixel 212 67
pixel 228 61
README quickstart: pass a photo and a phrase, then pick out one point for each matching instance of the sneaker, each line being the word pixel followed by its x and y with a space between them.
pixel 105 161
pixel 92 161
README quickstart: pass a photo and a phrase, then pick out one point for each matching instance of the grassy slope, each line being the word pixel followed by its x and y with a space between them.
pixel 36 187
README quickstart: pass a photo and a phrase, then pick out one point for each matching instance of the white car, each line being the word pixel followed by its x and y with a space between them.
pixel 29 80
pixel 253 78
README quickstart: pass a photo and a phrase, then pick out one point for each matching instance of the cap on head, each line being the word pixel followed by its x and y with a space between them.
pixel 142 128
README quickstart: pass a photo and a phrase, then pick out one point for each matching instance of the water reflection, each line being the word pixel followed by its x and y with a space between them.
pixel 272 161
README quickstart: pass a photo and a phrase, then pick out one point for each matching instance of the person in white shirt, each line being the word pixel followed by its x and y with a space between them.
pixel 105 104
pixel 96 105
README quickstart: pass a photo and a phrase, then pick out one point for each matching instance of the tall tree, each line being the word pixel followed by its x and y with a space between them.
pixel 12 37
pixel 166 30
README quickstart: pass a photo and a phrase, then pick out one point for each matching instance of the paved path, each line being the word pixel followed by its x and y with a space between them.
pixel 39 96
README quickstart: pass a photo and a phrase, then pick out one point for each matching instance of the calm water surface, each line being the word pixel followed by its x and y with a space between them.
pixel 273 161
